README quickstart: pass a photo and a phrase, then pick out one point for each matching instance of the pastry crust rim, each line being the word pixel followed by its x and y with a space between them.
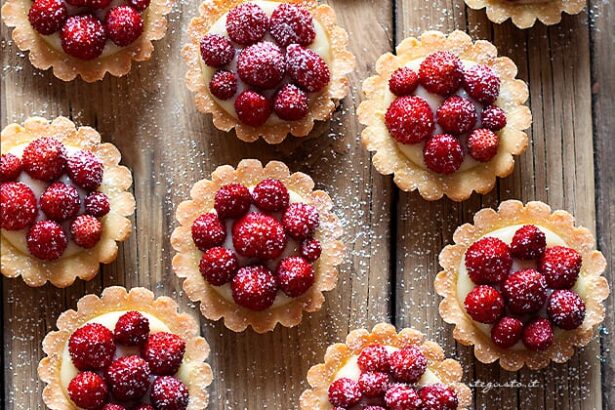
pixel 408 176
pixel 342 63
pixel 117 180
pixel 116 298
pixel 186 260
pixel 320 376
pixel 513 212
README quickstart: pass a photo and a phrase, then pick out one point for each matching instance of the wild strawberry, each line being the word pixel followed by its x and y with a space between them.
pixel 46 240
pixel 438 397
pixel 60 202
pixel 93 4
pixel 374 384
pixel 163 352
pixel 507 332
pixel 88 391
pixel 91 347
pixel 97 204
pixel 169 393
pixel 261 65
pixel 223 84
pixel 259 236
pixel 441 73
pixel 482 83
pixel 10 167
pixel 254 287
pixel 232 201
pixel 270 195
pixel 525 291
pixel 17 206
pixel 291 103
pixel 295 276
pixel 344 392
pixel 443 154
pixel 403 81
pixel 252 108
pixel 86 231
pixel 85 170
pixel 216 50
pixel 538 334
pixel 47 16
pixel 369 408
pixel 484 304
pixel 291 24
pixel 218 265
pixel 139 5
pixel 112 406
pixel 483 144
pixel 246 23
pixel 124 25
pixel 83 36
pixel 566 309
pixel 407 364
pixel 488 260
pixel 307 69
pixel 310 249
pixel 208 231
pixel 493 118
pixel 561 266
pixel 409 119
pixel 128 378
pixel 373 358
pixel 402 397
pixel 300 220
pixel 529 242
pixel 456 115
pixel 44 159
pixel 131 329
pixel 143 407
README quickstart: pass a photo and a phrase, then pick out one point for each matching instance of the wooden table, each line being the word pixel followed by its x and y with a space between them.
pixel 393 237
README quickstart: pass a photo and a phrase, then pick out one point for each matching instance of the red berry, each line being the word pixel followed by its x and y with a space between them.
pixel 310 249
pixel 139 5
pixel 300 220
pixel 93 4
pixel 538 334
pixel 529 242
pixel 484 304
pixel 373 358
pixel 128 378
pixel 307 69
pixel 47 16
pixel 83 36
pixel 407 364
pixel 270 195
pixel 403 81
pixel 252 108
pixel 85 169
pixel 566 309
pixel 488 260
pixel 91 347
pixel 44 159
pixel 223 84
pixel 370 408
pixel 143 407
pixel 10 167
pixel 60 202
pixel 456 115
pixel 402 397
pixel 344 392
pixel 291 24
pixel 164 352
pixel 246 23
pixel 483 144
pixel 443 154
pixel 218 265
pixel 438 397
pixel 291 103
pixel 261 65
pixel 254 287
pixel 295 276
pixel 169 393
pixel 507 332
pixel 482 83
pixel 409 120
pixel 46 240
pixel 232 201
pixel 17 206
pixel 86 231
pixel 525 291
pixel 131 329
pixel 208 231
pixel 88 391
pixel 97 204
pixel 259 236
pixel 441 73
pixel 216 50
pixel 493 118
pixel 561 266
pixel 124 25
pixel 112 406
pixel 374 384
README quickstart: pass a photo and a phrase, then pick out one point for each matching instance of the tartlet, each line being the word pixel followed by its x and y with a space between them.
pixel 124 348
pixel 64 202
pixel 386 369
pixel 267 68
pixel 257 246
pixel 523 285
pixel 445 115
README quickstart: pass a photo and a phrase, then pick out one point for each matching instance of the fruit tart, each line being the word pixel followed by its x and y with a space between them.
pixel 125 350
pixel 523 285
pixel 385 370
pixel 267 68
pixel 63 202
pixel 445 115
pixel 524 13
pixel 257 246
pixel 86 37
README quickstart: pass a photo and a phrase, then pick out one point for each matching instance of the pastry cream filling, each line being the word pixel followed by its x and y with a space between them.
pixel 320 46
pixel 465 284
